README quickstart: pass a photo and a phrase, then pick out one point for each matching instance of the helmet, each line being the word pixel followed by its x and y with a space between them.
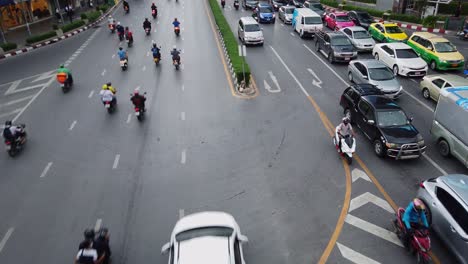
pixel 104 87
pixel 120 48
pixel 136 92
pixel 118 23
pixel 126 28
pixel 418 205
pixel 175 19
pixel 146 19
pixel 103 233
pixel 346 120
pixel 89 234
pixel 8 123
pixel 154 45
pixel 62 66
pixel 109 84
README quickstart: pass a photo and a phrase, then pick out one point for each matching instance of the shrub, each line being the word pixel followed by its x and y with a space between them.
pixel 332 3
pixel 430 21
pixel 104 7
pixel 73 25
pixel 55 26
pixel 37 38
pixel 406 18
pixel 83 16
pixel 367 1
pixel 8 46
pixel 93 15
pixel 450 8
pixel 231 44
pixel 372 12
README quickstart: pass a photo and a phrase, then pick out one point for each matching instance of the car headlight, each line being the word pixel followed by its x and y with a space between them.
pixel 421 143
pixel 336 53
pixel 392 145
pixel 401 88
pixel 276 6
pixel 262 16
pixel 443 61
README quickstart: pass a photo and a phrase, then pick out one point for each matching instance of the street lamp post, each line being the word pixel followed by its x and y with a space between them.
pixel 243 53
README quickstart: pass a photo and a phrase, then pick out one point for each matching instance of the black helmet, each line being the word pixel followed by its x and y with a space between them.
pixel 103 233
pixel 120 48
pixel 89 234
pixel 109 84
pixel 8 123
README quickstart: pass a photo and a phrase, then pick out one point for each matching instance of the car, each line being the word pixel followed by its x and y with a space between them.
pixel 285 14
pixel 446 200
pixel 278 3
pixel 306 22
pixel 384 123
pixel 401 58
pixel 361 40
pixel 298 3
pixel 432 85
pixel 249 4
pixel 335 46
pixel 264 13
pixel 361 18
pixel 387 32
pixel 206 237
pixel 316 7
pixel 337 20
pixel 249 31
pixel 363 89
pixel 376 73
pixel 437 51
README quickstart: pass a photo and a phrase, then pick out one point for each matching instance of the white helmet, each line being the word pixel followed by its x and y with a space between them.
pixel 118 23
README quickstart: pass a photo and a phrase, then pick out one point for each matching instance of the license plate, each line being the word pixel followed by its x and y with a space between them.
pixel 347 58
pixel 417 73
pixel 454 65
pixel 107 105
pixel 137 113
pixel 8 147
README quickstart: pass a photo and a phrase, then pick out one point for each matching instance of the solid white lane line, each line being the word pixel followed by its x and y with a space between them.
pixel 5 238
pixel 183 157
pixel 46 169
pixel 373 229
pixel 182 116
pixel 91 94
pixel 326 64
pixel 103 72
pixel 144 68
pixel 290 72
pixel 98 224
pixel 72 125
pixel 354 256
pixel 128 118
pixel 116 161
pixel 17 101
pixel 435 164
pixel 183 87
pixel 11 113
pixel 419 101
pixel 181 213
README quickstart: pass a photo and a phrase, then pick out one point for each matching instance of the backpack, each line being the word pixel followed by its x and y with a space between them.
pixel 85 259
pixel 7 134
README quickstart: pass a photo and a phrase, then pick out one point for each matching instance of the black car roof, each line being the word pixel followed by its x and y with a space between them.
pixel 367 89
pixel 381 102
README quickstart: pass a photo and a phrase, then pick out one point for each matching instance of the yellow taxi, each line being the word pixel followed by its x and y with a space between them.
pixel 387 32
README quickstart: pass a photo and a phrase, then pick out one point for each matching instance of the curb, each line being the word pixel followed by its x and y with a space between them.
pixel 57 39
pixel 402 25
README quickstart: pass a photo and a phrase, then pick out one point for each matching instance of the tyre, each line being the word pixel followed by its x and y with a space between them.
pixel 330 58
pixel 379 148
pixel 301 34
pixel 444 148
pixel 140 117
pixel 395 70
pixel 433 65
pixel 425 93
pixel 317 46
pixel 350 76
pixel 12 152
pixel 376 56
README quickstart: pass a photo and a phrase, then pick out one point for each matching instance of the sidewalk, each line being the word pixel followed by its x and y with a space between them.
pixel 20 34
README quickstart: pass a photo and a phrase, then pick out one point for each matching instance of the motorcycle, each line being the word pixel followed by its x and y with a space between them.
pixel 154 13
pixel 124 64
pixel 176 63
pixel 463 34
pixel 223 3
pixel 112 28
pixel 110 104
pixel 177 31
pixel 420 242
pixel 65 82
pixel 14 148
pixel 147 31
pixel 127 9
pixel 236 5
pixel 157 59
pixel 121 36
pixel 348 146
pixel 129 42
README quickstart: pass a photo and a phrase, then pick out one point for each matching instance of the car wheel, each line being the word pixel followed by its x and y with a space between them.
pixel 350 76
pixel 433 65
pixel 376 56
pixel 317 46
pixel 379 148
pixel 395 70
pixel 330 58
pixel 444 148
pixel 426 94
pixel 301 34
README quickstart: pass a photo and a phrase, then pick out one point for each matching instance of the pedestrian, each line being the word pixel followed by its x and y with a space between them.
pixel 57 15
pixel 69 11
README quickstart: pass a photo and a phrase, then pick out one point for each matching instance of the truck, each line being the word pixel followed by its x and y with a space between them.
pixel 335 46
pixel 449 127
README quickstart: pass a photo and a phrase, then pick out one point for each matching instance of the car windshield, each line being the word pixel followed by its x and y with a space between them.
pixel 312 20
pixel 393 29
pixel 381 74
pixel 342 18
pixel 289 10
pixel 316 6
pixel 444 47
pixel 265 9
pixel 252 27
pixel 204 231
pixel 340 41
pixel 361 34
pixel 406 54
pixel 364 16
pixel 391 118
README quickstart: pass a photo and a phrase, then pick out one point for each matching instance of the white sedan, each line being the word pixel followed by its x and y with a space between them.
pixel 401 58
pixel 206 237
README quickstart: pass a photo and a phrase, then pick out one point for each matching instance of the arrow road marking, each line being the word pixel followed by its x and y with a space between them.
pixel 16 101
pixel 317 82
pixel 373 229
pixel 45 76
pixel 366 198
pixel 275 81
pixel 354 256
pixel 359 174
pixel 14 88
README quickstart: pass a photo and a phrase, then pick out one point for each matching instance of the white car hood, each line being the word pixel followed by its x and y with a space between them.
pixel 413 63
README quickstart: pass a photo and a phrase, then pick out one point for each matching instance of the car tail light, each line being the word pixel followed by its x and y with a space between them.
pixel 136 109
pixel 421 184
pixel 8 142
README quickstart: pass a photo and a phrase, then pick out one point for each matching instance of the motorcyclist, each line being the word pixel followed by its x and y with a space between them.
pixel 176 23
pixel 110 21
pixel 344 129
pixel 128 35
pixel 414 218
pixel 108 95
pixel 138 100
pixel 108 86
pixel 146 24
pixel 126 6
pixel 120 29
pixel 87 255
pixel 175 54
pixel 12 133
pixel 101 244
pixel 156 51
pixel 223 3
pixel 155 8
pixel 63 69
pixel 122 54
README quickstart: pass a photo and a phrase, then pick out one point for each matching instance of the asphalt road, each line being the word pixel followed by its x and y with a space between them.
pixel 200 148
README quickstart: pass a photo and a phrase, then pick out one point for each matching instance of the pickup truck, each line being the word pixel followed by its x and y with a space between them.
pixel 335 46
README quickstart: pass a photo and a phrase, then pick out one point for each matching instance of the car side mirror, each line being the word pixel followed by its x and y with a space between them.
pixel 165 249
pixel 371 122
pixel 365 77
pixel 243 239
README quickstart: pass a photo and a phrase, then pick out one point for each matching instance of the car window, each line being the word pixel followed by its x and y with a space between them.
pixel 302 20
pixel 406 54
pixel 363 107
pixel 361 68
pixel 365 17
pixel 393 29
pixel 340 41
pixel 444 47
pixel 265 9
pixel 447 85
pixel 351 15
pixel 388 50
pixel 237 253
pixel 391 118
pixel 438 82
pixel 342 18
pixel 455 209
pixel 289 10
pixel 361 34
pixel 428 45
pixel 313 20
pixel 381 74
pixel 252 28
pixel 316 6
pixel 379 27
pixel 415 38
pixel 352 95
pixel 347 31
pixel 240 24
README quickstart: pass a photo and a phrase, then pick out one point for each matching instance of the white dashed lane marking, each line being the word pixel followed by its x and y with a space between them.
pixel 46 169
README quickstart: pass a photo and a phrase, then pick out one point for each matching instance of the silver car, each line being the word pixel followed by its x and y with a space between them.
pixel 446 199
pixel 376 73
pixel 359 37
pixel 285 14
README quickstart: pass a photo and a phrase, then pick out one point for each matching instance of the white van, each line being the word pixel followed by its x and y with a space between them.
pixel 249 31
pixel 306 22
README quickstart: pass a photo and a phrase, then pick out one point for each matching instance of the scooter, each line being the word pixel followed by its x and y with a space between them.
pixel 129 42
pixel 147 31
pixel 121 36
pixel 154 13
pixel 177 31
pixel 223 3
pixel 463 34
pixel 236 5
pixel 157 59
pixel 127 9
pixel 65 82
pixel 109 104
pixel 124 64
pixel 348 146
pixel 14 148
pixel 112 28
pixel 176 63
pixel 420 242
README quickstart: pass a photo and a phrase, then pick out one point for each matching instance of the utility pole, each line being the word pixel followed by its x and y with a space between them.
pixel 243 53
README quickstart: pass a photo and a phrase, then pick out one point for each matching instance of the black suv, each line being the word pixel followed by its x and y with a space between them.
pixel 383 122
